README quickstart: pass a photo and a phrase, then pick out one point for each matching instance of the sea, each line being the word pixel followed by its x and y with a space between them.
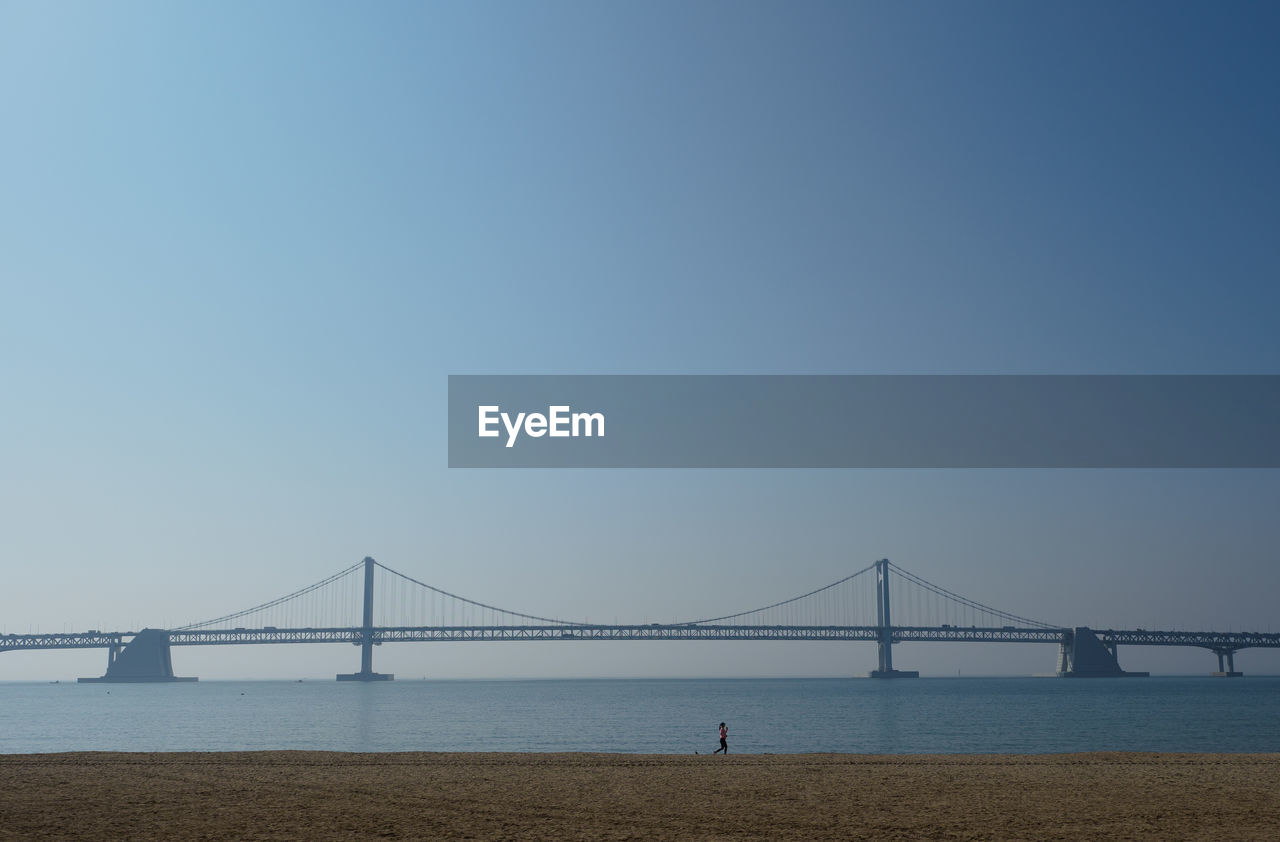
pixel 666 716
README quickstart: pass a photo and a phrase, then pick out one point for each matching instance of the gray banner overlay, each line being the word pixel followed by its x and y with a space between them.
pixel 865 421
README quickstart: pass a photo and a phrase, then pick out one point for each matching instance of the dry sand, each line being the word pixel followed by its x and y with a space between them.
pixel 329 795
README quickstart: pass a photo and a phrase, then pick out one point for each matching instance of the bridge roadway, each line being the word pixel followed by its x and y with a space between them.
pixel 1216 641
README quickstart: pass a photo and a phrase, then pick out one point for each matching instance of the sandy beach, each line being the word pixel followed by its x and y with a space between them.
pixel 329 795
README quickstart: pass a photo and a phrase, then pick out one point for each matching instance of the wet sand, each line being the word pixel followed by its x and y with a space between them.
pixel 329 795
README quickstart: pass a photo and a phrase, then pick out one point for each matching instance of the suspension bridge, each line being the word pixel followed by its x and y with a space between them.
pixel 369 604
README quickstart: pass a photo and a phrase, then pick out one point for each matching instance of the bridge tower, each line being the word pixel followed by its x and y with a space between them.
pixel 366 635
pixel 884 628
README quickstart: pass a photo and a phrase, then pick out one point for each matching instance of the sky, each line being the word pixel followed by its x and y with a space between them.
pixel 242 247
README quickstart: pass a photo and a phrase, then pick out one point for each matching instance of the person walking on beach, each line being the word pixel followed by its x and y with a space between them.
pixel 724 740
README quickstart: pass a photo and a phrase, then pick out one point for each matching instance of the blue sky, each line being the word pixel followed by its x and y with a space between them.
pixel 242 247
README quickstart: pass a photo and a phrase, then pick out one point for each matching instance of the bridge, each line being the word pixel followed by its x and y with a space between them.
pixel 347 608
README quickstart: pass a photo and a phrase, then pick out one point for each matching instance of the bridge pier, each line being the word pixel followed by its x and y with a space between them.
pixel 884 637
pixel 1083 655
pixel 366 636
pixel 1230 671
pixel 145 659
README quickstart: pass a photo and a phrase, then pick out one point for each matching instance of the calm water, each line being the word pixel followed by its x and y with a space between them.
pixel 666 716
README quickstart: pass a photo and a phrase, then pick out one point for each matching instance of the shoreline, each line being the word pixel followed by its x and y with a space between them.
pixel 491 795
pixel 6 756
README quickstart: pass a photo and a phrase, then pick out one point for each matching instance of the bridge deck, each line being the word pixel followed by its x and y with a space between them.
pixel 394 634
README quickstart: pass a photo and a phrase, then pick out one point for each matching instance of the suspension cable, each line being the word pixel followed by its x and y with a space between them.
pixel 274 602
pixel 946 595
pixel 463 599
pixel 954 597
pixel 777 604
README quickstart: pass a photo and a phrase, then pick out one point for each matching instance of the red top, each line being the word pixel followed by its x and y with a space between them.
pixel 724 732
